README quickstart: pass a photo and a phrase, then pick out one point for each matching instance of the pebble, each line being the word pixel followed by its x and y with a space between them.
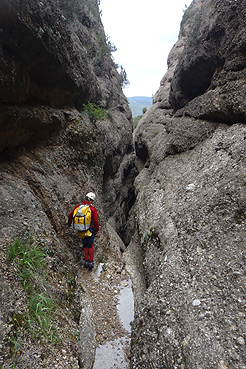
pixel 223 365
pixel 190 187
pixel 241 341
pixel 196 302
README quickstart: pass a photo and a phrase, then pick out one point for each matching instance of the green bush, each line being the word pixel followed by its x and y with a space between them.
pixel 124 82
pixel 94 111
pixel 136 120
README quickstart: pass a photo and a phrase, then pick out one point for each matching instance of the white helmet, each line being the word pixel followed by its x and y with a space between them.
pixel 90 196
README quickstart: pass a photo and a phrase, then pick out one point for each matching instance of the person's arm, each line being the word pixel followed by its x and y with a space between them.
pixel 70 216
pixel 95 219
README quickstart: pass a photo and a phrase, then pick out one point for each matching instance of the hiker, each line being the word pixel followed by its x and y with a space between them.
pixel 93 227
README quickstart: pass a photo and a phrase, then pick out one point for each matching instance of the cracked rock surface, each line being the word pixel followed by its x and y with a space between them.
pixel 191 199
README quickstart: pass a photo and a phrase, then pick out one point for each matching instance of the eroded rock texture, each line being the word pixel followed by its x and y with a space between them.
pixel 54 58
pixel 191 199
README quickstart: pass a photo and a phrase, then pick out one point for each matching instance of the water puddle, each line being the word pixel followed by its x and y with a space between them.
pixel 126 305
pixel 99 270
pixel 113 354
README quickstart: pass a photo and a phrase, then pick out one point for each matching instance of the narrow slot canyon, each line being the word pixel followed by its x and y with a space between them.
pixel 167 287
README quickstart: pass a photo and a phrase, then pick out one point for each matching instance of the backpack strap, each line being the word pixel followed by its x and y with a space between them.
pixel 77 210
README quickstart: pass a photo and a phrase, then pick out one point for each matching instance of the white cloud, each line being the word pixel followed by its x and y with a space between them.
pixel 144 32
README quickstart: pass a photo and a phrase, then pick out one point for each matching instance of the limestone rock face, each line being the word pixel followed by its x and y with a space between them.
pixel 162 95
pixel 52 56
pixel 210 74
pixel 54 60
pixel 191 199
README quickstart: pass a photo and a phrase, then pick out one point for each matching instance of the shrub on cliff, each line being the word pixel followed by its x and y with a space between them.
pixel 94 112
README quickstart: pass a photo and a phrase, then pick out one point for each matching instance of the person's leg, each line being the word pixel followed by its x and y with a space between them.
pixel 91 252
pixel 86 255
pixel 88 243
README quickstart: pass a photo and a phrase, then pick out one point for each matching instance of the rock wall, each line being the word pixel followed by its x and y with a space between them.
pixel 191 199
pixel 187 255
pixel 55 59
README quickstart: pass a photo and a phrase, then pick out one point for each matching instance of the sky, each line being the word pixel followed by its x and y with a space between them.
pixel 143 32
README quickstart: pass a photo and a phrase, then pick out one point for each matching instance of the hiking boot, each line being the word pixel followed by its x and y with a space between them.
pixel 91 264
pixel 86 263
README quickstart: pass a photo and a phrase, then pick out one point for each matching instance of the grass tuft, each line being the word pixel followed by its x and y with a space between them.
pixel 29 258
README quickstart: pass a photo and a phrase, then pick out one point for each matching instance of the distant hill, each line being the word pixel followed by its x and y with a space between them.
pixel 137 103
